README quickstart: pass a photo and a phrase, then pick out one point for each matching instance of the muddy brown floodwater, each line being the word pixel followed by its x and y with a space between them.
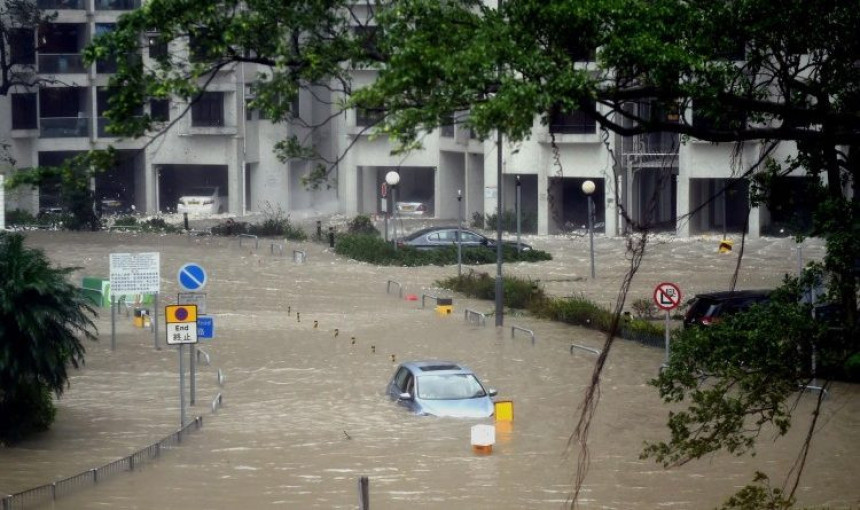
pixel 304 413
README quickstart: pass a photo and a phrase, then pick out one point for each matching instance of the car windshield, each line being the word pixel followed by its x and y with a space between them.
pixel 449 387
pixel 200 192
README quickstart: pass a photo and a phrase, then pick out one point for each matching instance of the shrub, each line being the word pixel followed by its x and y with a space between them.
pixel 852 368
pixel 230 228
pixel 578 311
pixel 518 293
pixel 372 249
pixel 125 221
pixel 27 409
pixel 362 224
pixel 158 225
pixel 19 217
pixel 643 308
pixel 276 223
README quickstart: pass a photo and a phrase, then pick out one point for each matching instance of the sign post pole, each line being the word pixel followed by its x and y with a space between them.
pixel 181 388
pixel 154 320
pixel 112 322
pixel 181 329
pixel 667 297
pixel 666 359
pixel 193 363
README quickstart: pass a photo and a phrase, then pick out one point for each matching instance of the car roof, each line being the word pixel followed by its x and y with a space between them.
pixel 729 294
pixel 435 367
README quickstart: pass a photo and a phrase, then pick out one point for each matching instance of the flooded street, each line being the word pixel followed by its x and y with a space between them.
pixel 307 350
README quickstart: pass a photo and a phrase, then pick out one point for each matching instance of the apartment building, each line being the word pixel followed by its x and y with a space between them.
pixel 219 141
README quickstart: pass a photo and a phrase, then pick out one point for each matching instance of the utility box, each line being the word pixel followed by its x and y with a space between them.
pixel 444 306
pixel 141 317
pixel 96 290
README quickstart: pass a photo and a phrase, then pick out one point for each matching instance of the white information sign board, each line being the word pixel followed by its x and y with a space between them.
pixel 135 273
pixel 181 333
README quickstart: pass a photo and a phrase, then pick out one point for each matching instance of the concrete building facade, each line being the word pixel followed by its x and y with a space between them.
pixel 219 141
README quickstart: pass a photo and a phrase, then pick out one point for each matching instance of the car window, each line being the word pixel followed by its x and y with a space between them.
pixel 469 237
pixel 449 387
pixel 448 236
pixel 434 237
pixel 401 378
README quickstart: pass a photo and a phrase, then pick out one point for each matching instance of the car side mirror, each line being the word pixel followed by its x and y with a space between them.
pixel 405 396
pixel 492 392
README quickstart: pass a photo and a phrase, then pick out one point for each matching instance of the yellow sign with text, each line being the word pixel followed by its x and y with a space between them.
pixel 180 313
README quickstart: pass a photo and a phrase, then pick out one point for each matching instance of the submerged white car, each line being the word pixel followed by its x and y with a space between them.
pixel 201 200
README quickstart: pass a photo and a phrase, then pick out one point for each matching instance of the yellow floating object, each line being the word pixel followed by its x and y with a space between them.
pixel 504 410
pixel 444 306
pixel 725 246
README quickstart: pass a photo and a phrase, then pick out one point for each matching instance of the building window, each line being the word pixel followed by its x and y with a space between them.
pixel 366 117
pixel 576 122
pixel 157 46
pixel 24 111
pixel 22 42
pixel 725 120
pixel 208 110
pixel 159 110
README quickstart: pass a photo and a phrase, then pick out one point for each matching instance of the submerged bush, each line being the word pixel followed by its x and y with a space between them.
pixel 373 249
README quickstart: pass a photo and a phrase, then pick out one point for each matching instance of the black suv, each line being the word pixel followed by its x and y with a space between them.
pixel 706 309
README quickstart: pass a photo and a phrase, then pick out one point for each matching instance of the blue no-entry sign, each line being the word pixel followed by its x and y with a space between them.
pixel 205 326
pixel 191 277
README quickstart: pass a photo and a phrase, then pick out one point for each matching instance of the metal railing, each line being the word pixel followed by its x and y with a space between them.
pixel 62 63
pixel 399 288
pixel 66 486
pixel 299 256
pixel 249 236
pixel 277 246
pixel 475 317
pixel 531 333
pixel 64 127
pixel 435 298
pixel 584 348
pixel 217 403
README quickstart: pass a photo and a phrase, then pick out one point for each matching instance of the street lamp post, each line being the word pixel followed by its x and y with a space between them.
pixel 588 188
pixel 518 205
pixel 392 178
pixel 459 233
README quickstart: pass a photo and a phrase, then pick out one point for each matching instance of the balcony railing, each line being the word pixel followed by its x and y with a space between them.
pixel 117 5
pixel 64 127
pixel 61 63
pixel 60 4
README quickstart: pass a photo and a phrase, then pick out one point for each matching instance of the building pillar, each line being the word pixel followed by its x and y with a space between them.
pixel 754 222
pixel 682 214
pixel 543 212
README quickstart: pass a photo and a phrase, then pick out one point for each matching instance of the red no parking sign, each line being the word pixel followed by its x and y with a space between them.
pixel 667 296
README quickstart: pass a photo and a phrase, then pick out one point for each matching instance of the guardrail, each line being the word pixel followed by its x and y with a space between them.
pixel 217 403
pixel 279 247
pixel 299 256
pixel 66 486
pixel 435 298
pixel 123 227
pixel 479 317
pixel 205 355
pixel 249 236
pixel 584 348
pixel 514 329
pixel 221 378
pixel 399 288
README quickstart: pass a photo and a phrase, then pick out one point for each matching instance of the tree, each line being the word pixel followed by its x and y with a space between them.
pixel 19 20
pixel 729 71
pixel 43 318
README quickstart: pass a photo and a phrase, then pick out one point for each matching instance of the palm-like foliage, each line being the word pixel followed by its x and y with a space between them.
pixel 43 318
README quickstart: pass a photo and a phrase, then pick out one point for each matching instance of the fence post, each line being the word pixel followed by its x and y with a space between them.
pixel 363 493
